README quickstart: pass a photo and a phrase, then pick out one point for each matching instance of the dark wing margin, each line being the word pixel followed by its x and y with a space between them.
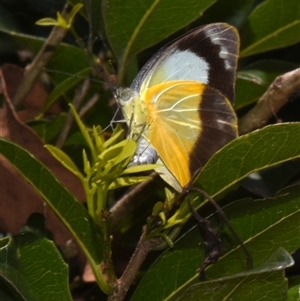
pixel 216 43
pixel 219 126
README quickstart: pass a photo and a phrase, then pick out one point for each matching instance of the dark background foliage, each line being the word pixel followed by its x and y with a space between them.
pixel 114 39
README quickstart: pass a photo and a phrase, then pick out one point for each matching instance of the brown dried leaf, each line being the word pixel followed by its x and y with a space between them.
pixel 18 199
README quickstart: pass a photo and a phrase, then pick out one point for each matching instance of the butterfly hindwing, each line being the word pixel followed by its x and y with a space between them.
pixel 188 121
pixel 182 99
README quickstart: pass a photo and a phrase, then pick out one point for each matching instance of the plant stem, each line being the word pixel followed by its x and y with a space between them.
pixel 142 250
pixel 33 72
pixel 275 98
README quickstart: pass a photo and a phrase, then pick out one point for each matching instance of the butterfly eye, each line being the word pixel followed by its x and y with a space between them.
pixel 125 95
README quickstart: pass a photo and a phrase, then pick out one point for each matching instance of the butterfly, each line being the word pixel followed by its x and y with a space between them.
pixel 179 106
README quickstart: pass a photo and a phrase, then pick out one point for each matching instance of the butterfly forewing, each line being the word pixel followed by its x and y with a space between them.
pixel 207 54
pixel 186 91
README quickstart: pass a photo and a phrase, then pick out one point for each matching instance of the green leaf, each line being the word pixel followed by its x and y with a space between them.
pixel 7 20
pixel 294 288
pixel 243 156
pixel 76 139
pixel 273 24
pixel 140 168
pixel 67 208
pixel 71 81
pixel 64 159
pixel 253 281
pixel 63 59
pixel 83 130
pixel 48 129
pixel 272 178
pixel 132 26
pixel 73 13
pixel 249 153
pixel 94 13
pixel 253 80
pixel 234 12
pixel 119 152
pixel 237 287
pixel 117 136
pixel 91 12
pixel 62 22
pixel 128 181
pixel 47 22
pixel 265 226
pixel 34 269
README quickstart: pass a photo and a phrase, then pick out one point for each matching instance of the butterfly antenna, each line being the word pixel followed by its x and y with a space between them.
pixel 73 75
pixel 112 87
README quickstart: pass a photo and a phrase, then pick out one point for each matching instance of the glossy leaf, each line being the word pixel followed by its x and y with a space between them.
pixel 266 281
pixel 272 178
pixel 257 150
pixel 253 80
pixel 234 12
pixel 94 13
pixel 273 24
pixel 265 226
pixel 133 26
pixel 67 208
pixel 294 288
pixel 32 269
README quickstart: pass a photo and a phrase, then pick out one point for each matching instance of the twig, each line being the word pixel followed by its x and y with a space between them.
pixel 275 97
pixel 142 250
pixel 101 69
pixel 90 103
pixel 80 93
pixel 134 199
pixel 40 61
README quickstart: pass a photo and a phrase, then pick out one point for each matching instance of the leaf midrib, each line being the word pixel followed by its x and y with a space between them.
pixel 267 37
pixel 231 251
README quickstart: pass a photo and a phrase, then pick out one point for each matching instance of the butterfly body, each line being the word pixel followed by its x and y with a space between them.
pixel 179 107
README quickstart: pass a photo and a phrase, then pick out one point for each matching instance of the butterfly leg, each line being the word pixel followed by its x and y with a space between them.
pixel 226 221
pixel 213 245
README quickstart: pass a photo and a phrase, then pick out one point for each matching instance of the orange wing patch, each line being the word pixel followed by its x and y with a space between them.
pixel 174 123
